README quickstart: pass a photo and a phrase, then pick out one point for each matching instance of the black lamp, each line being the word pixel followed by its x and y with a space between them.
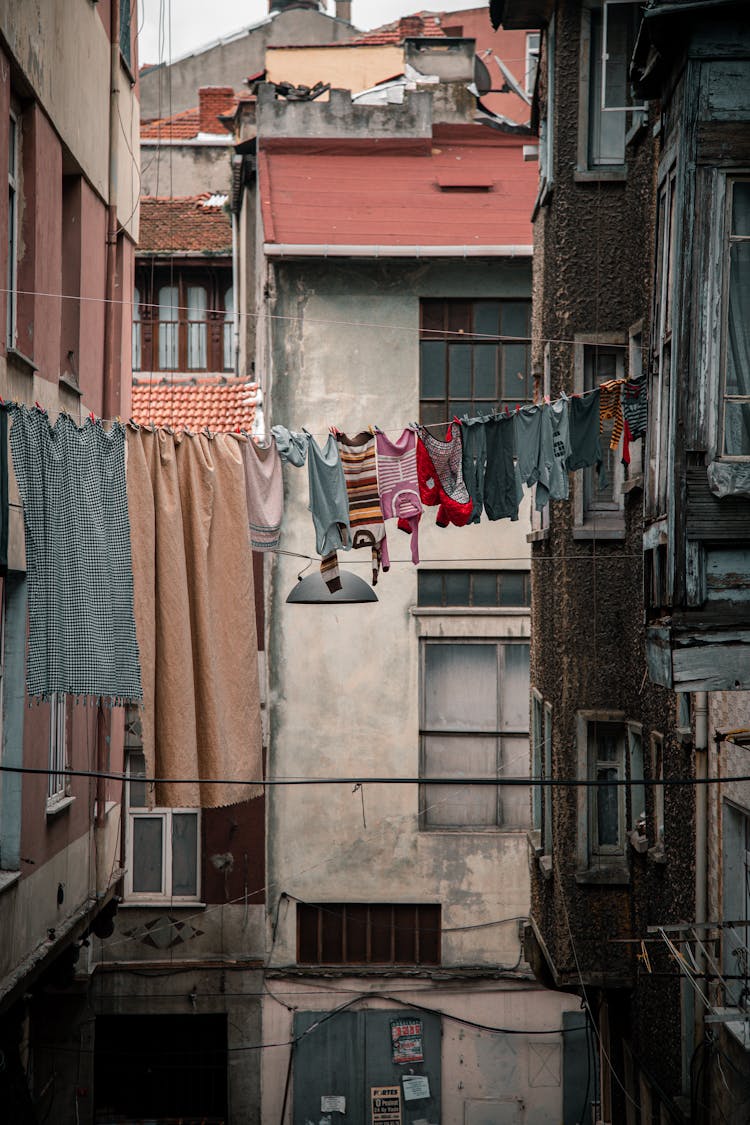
pixel 312 590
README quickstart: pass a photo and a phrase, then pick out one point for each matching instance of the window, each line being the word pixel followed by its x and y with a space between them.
pixel 474 588
pixel 474 723
pixel 657 773
pixel 607 41
pixel 537 747
pixel 229 329
pixel 474 357
pixel 532 60
pixel 368 934
pixel 659 418
pixel 637 788
pixel 125 37
pixel 598 495
pixel 736 903
pixel 607 758
pixel 58 783
pixel 547 123
pixel 13 206
pixel 736 390
pixel 183 320
pixel 162 845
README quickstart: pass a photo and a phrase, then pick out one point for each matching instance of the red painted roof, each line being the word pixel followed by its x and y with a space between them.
pixel 219 402
pixel 184 224
pixel 369 193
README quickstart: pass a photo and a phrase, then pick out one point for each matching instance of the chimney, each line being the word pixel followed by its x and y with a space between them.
pixel 344 10
pixel 281 5
pixel 212 101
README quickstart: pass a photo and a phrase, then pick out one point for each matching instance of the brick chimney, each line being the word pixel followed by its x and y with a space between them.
pixel 213 100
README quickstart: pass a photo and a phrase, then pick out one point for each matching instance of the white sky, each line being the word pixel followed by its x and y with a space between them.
pixel 195 22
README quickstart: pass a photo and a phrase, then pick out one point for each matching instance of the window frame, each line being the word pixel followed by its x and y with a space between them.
pixel 599 850
pixel 497 606
pixel 607 518
pixel 531 60
pixel 58 753
pixel 166 816
pixel 728 241
pixel 590 100
pixel 14 192
pixel 498 734
pixel 447 405
pixel 215 279
pixel 337 911
pixel 610 861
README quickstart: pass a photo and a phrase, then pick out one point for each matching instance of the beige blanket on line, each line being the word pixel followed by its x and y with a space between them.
pixel 195 615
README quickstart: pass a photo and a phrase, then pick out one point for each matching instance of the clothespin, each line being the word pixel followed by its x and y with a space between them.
pixel 91 416
pixel 39 406
pixel 547 399
pixel 506 410
pixel 456 419
pixel 518 407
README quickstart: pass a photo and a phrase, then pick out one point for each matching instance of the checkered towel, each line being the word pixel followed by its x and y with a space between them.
pixel 82 630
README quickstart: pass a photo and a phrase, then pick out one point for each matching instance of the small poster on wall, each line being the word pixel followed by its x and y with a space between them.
pixel 406 1041
pixel 416 1087
pixel 386 1105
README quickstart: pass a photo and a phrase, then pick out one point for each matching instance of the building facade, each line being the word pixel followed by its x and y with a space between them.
pixel 69 152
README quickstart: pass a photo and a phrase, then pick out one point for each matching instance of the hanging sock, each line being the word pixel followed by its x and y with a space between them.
pixel 398 485
pixel 365 513
pixel 441 478
pixel 330 573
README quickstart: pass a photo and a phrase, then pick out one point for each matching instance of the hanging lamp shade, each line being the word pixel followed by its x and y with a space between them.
pixel 312 590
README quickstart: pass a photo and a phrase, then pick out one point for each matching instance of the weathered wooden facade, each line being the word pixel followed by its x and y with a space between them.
pixel 697 497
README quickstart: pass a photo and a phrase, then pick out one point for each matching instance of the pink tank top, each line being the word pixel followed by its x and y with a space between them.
pixel 398 484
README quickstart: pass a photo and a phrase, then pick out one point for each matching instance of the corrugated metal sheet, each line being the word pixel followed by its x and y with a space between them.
pixel 711 518
pixel 355 194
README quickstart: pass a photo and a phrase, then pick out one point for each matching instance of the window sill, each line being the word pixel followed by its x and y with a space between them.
pixel 21 361
pixel 8 879
pixel 538 536
pixel 657 854
pixel 534 838
pixel 595 175
pixel 55 807
pixel 161 904
pixel 471 830
pixel 609 875
pixel 599 532
pixel 471 611
pixel 545 866
pixel 70 385
pixel 634 484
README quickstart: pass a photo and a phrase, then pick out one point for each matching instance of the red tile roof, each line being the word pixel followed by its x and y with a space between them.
pixel 187 224
pixel 213 103
pixel 220 402
pixel 180 126
pixel 420 25
pixel 470 186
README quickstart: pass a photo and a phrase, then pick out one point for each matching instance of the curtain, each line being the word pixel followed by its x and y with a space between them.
pixel 196 314
pixel 168 314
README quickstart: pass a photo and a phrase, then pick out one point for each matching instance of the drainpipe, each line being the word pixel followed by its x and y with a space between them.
pixel 700 705
pixel 111 396
pixel 111 387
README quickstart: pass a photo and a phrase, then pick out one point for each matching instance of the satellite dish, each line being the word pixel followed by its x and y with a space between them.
pixel 482 79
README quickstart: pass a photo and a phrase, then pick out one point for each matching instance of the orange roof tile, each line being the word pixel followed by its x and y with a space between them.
pixel 419 25
pixel 193 223
pixel 223 403
pixel 180 126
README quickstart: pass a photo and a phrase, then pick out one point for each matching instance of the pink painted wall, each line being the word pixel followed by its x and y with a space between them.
pixel 510 46
pixel 91 311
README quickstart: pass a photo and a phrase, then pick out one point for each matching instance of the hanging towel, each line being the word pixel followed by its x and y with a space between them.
pixel 502 481
pixel 82 637
pixel 473 462
pixel 292 446
pixel 329 505
pixel 398 485
pixel 195 612
pixel 265 494
pixel 583 418
pixel 365 514
pixel 610 409
pixel 441 478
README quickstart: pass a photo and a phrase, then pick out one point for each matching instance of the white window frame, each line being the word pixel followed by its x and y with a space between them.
pixel 590 97
pixel 605 59
pixel 537 751
pixel 500 735
pixel 728 240
pixel 165 815
pixel 58 780
pixel 14 152
pixel 531 60
pixel 589 517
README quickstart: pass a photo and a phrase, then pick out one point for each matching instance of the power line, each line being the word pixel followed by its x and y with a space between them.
pixel 551 782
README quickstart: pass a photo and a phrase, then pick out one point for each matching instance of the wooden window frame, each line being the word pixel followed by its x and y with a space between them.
pixel 217 281
pixel 427 919
pixel 728 241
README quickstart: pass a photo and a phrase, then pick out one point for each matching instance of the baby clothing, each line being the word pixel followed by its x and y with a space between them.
pixel 441 478
pixel 329 505
pixel 365 514
pixel 292 446
pixel 398 486
pixel 264 488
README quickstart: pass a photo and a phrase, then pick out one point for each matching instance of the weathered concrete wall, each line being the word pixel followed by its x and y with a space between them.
pixel 229 61
pixel 185 168
pixel 476 1065
pixel 339 118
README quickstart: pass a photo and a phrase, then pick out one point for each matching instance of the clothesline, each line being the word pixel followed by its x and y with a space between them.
pixel 456 335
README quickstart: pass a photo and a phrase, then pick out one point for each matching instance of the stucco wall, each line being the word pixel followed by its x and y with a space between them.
pixel 344 679
pixel 185 169
pixel 355 68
